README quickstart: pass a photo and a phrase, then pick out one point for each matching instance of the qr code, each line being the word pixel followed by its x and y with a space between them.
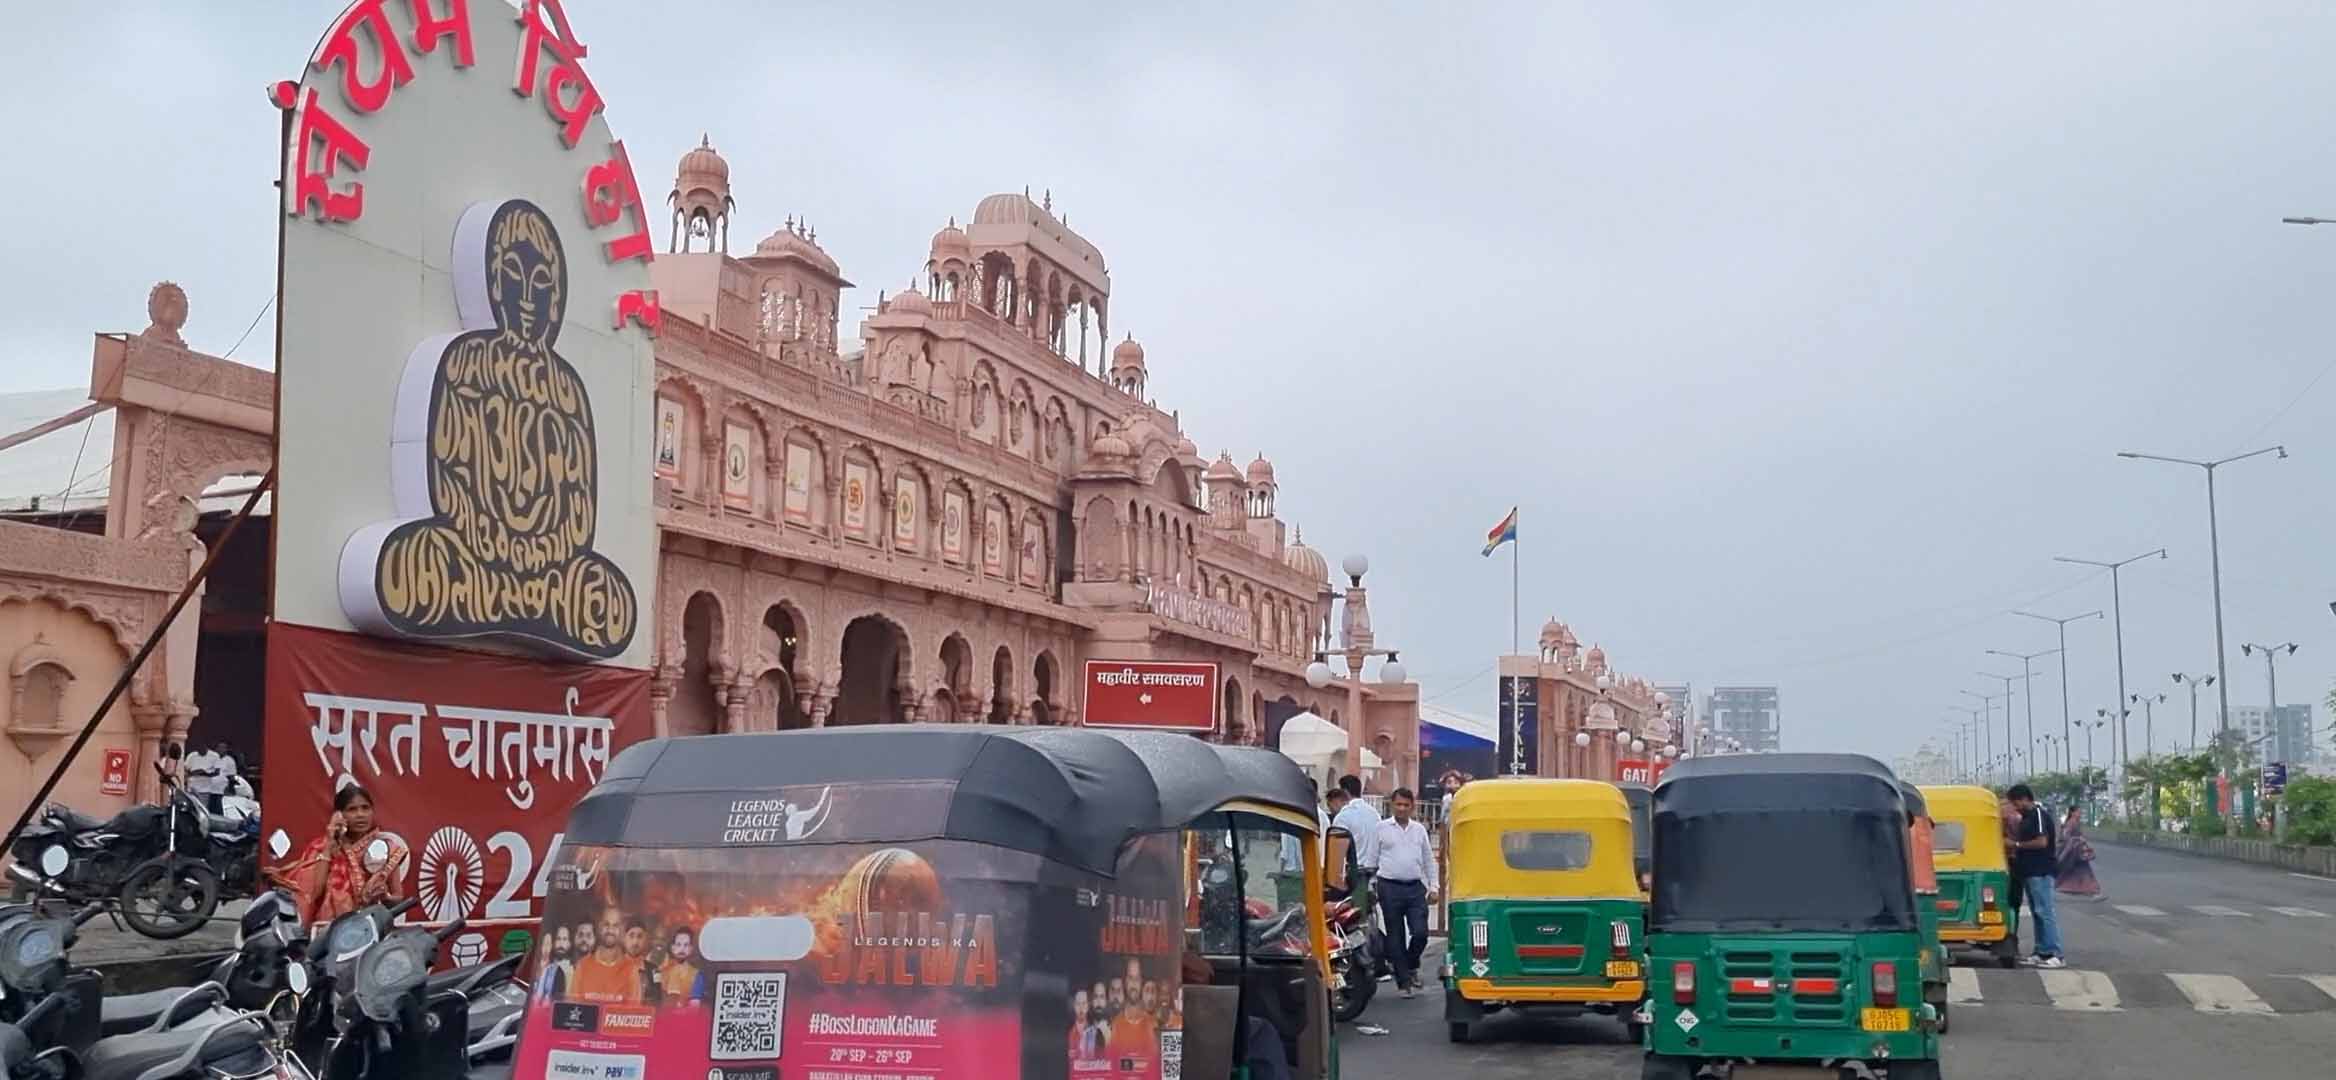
pixel 748 1010
pixel 1171 1055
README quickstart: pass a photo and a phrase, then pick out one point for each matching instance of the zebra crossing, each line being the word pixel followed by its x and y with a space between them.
pixel 2212 911
pixel 2077 990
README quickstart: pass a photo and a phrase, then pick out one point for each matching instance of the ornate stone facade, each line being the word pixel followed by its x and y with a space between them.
pixel 943 523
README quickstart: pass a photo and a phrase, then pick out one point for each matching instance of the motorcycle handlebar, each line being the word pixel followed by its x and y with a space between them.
pixel 447 932
pixel 403 906
pixel 83 916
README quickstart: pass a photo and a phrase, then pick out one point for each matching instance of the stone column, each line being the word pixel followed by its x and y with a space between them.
pixel 149 720
pixel 734 710
pixel 662 681
pixel 822 704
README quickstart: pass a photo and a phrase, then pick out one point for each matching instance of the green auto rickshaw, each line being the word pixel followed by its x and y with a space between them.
pixel 1783 930
pixel 1920 830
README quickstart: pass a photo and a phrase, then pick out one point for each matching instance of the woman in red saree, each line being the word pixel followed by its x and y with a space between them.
pixel 336 875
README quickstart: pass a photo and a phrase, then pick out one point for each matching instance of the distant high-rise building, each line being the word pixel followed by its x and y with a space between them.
pixel 1747 714
pixel 1925 766
pixel 1683 713
pixel 2286 737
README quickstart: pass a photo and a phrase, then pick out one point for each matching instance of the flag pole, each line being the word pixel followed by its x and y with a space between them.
pixel 1514 645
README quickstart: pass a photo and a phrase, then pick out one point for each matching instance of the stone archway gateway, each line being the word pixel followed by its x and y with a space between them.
pixel 874 648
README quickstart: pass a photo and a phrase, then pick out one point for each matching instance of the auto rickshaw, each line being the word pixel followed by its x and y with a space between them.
pixel 1542 902
pixel 1920 830
pixel 1642 831
pixel 1975 877
pixel 936 899
pixel 1783 931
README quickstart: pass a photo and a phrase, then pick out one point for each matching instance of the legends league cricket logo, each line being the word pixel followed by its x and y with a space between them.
pixel 494 465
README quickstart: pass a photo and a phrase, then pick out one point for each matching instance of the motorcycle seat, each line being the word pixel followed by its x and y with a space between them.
pixel 76 821
pixel 122 1014
pixel 127 1057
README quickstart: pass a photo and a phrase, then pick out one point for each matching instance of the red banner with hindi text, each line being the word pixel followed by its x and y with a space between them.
pixel 472 759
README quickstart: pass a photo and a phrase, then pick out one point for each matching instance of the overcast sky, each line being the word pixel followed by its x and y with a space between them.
pixel 1804 339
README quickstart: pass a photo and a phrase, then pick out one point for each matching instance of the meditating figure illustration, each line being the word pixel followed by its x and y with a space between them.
pixel 510 464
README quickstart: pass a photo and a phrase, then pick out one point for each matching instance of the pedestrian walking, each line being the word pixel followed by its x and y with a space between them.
pixel 2035 863
pixel 1406 885
pixel 2076 859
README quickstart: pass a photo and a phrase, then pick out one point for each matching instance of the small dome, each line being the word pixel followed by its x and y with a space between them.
pixel 910 302
pixel 704 164
pixel 1552 632
pixel 1127 354
pixel 1185 449
pixel 1260 471
pixel 1111 444
pixel 1223 469
pixel 950 243
pixel 1597 658
pixel 1306 560
pixel 792 241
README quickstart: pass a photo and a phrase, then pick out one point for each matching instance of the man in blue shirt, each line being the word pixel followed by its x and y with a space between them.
pixel 2036 863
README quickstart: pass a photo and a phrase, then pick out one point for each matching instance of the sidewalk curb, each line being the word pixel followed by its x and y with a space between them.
pixel 2306 860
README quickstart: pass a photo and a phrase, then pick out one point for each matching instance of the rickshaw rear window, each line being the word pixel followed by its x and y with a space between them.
pixel 1545 849
pixel 1816 870
pixel 1947 838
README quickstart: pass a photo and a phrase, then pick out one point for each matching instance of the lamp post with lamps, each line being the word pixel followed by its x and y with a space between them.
pixel 2029 688
pixel 2124 738
pixel 1355 633
pixel 2007 717
pixel 2067 736
pixel 1986 717
pixel 2271 711
pixel 2193 682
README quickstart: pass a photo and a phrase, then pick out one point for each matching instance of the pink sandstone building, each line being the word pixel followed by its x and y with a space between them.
pixel 939 522
pixel 1590 715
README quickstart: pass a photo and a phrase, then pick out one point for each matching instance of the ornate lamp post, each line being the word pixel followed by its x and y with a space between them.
pixel 1355 631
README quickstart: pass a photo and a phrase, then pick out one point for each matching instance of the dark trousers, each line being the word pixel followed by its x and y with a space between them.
pixel 1404 905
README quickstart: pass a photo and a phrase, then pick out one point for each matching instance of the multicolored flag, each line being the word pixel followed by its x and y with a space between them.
pixel 1503 533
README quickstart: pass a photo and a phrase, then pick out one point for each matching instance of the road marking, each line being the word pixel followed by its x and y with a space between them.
pixel 2301 912
pixel 2137 909
pixel 1963 986
pixel 2312 877
pixel 2221 912
pixel 2080 991
pixel 2219 994
pixel 2326 983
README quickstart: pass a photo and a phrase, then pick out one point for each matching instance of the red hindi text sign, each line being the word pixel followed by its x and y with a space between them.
pixel 472 759
pixel 116 778
pixel 1169 695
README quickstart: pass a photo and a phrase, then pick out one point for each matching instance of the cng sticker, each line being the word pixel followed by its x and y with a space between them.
pixel 1480 967
pixel 1687 1020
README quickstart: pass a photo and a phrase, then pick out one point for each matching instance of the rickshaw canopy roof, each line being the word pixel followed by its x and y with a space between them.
pixel 1962 801
pixel 1753 783
pixel 1916 805
pixel 1507 842
pixel 1781 842
pixel 1073 795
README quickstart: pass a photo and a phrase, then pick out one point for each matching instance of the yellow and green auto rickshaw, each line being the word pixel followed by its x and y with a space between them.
pixel 1975 877
pixel 1543 903
pixel 952 899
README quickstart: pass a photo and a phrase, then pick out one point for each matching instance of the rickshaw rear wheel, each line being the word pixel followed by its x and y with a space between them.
pixel 1637 1032
pixel 2007 952
pixel 1460 1031
pixel 1667 1067
pixel 1916 1070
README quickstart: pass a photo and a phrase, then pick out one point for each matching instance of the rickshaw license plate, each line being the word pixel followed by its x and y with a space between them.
pixel 1622 969
pixel 1991 917
pixel 1886 1019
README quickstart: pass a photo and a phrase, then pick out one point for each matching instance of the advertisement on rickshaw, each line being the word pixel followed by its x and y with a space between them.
pixel 756 939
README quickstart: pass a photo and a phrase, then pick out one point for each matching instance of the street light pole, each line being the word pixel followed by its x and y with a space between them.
pixel 2030 687
pixel 2008 755
pixel 2067 735
pixel 1987 714
pixel 2192 682
pixel 2124 738
pixel 1971 722
pixel 2222 675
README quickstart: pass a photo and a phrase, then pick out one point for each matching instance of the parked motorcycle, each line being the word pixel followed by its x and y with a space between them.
pixel 151 864
pixel 389 1020
pixel 1357 951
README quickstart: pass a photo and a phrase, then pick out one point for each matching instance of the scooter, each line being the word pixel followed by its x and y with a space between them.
pixel 389 1023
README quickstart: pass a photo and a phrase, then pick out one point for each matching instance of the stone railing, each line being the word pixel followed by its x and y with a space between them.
pixel 2306 860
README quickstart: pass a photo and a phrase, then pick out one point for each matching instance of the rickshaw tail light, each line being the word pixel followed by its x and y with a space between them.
pixel 1479 939
pixel 1987 897
pixel 1885 984
pixel 1683 982
pixel 1621 939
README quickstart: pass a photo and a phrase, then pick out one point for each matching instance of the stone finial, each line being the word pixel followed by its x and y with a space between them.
pixel 166 313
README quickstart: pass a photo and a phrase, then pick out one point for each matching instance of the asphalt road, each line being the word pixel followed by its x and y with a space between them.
pixel 2187 967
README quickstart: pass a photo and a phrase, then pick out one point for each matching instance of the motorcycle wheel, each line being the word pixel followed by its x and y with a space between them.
pixel 1361 983
pixel 165 901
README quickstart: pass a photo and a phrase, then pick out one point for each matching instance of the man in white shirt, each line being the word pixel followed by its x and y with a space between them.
pixel 1348 811
pixel 1406 885
pixel 207 772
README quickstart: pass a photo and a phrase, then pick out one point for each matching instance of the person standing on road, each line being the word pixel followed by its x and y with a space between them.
pixel 1348 811
pixel 2076 859
pixel 2035 863
pixel 1406 885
